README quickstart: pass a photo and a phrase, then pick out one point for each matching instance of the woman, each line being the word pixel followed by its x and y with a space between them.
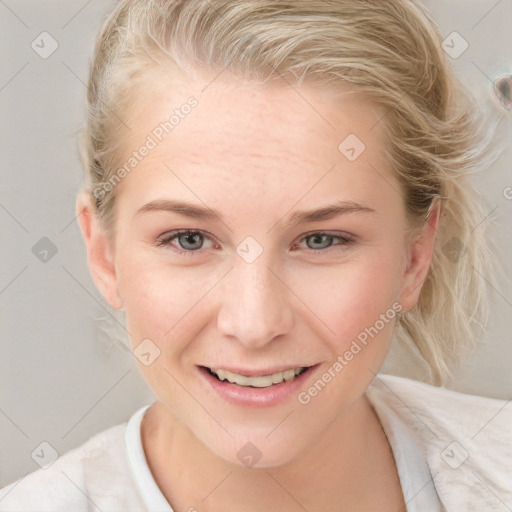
pixel 276 190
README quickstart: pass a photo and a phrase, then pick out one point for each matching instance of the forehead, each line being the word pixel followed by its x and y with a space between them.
pixel 227 103
pixel 242 135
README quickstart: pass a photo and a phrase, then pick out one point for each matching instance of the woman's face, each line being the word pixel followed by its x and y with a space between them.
pixel 297 258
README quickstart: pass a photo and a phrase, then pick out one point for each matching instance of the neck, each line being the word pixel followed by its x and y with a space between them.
pixel 348 468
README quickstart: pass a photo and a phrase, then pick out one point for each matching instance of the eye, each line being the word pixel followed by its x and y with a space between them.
pixel 183 240
pixel 321 241
pixel 186 241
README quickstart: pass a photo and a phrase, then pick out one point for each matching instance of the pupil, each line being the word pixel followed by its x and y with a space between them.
pixel 187 241
pixel 322 240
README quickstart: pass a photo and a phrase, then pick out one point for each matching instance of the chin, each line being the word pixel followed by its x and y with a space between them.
pixel 259 451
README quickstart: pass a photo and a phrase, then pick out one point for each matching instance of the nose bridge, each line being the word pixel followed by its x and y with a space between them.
pixel 254 307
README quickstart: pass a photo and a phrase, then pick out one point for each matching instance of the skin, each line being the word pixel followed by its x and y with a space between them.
pixel 257 154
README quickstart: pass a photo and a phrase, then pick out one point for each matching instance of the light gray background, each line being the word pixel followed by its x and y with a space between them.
pixel 62 379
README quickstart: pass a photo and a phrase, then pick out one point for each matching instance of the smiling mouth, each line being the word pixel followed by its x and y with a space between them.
pixel 263 381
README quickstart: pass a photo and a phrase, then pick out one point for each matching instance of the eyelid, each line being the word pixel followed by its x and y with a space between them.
pixel 339 234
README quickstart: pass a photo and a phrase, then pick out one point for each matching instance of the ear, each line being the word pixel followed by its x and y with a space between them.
pixel 99 253
pixel 420 252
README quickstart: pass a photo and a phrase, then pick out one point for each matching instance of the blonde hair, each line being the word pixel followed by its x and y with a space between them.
pixel 389 50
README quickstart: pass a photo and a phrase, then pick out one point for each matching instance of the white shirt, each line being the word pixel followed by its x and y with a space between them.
pixel 453 453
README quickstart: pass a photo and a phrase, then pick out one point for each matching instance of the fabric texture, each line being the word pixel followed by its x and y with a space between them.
pixel 453 453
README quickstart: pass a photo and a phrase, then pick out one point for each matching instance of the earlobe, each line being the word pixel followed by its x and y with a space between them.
pixel 419 258
pixel 99 255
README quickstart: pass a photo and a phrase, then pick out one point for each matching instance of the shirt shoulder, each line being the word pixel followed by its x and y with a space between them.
pixel 466 440
pixel 95 475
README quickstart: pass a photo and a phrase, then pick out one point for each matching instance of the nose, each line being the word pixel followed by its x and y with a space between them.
pixel 254 304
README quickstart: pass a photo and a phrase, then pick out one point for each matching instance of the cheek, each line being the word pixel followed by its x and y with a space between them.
pixel 165 305
pixel 359 302
pixel 161 300
pixel 351 297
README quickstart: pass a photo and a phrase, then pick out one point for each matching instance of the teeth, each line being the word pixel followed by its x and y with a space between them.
pixel 258 382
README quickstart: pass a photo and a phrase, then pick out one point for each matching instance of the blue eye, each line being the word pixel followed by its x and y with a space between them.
pixel 188 240
pixel 321 241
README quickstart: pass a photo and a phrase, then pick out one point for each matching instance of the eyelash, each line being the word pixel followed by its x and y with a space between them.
pixel 168 237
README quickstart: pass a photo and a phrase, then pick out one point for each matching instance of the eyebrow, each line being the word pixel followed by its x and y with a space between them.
pixel 299 217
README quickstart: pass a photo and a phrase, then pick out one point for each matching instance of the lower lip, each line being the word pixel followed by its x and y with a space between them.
pixel 256 397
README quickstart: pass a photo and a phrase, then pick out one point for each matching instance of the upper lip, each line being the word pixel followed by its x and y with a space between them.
pixel 252 372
